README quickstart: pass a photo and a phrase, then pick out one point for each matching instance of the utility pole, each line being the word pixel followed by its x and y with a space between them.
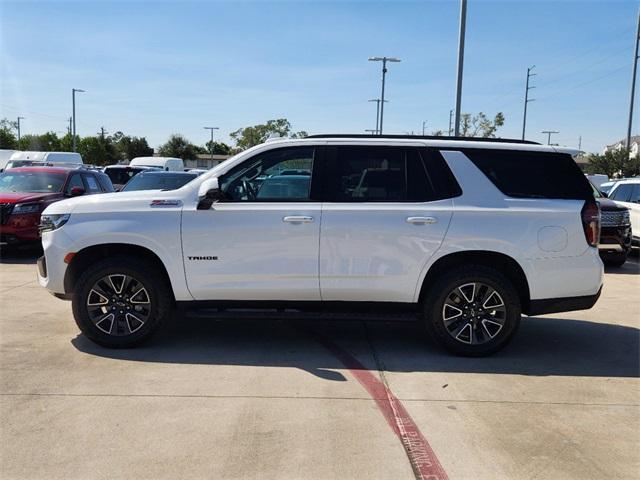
pixel 580 143
pixel 549 132
pixel 450 119
pixel 211 129
pixel 73 106
pixel 461 34
pixel 18 126
pixel 377 100
pixel 527 99
pixel 424 123
pixel 69 127
pixel 102 133
pixel 384 61
pixel 633 84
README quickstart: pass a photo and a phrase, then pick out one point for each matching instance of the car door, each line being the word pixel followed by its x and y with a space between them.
pixel 628 194
pixel 261 241
pixel 384 216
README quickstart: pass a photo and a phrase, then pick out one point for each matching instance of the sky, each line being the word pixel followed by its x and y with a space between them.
pixel 156 68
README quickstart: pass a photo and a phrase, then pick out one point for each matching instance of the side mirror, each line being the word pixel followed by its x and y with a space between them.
pixel 76 191
pixel 208 193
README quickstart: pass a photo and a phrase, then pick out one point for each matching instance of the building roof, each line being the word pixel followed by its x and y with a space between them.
pixel 634 139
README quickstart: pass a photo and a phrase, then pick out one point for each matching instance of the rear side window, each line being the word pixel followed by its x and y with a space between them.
pixel 92 183
pixel 386 174
pixel 626 192
pixel 523 174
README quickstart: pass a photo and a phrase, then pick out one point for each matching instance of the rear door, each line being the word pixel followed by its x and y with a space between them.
pixel 383 218
pixel 261 242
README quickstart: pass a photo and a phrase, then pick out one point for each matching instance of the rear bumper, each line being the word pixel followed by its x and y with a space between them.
pixel 566 304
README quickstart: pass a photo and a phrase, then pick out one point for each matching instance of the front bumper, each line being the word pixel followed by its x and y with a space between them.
pixel 615 240
pixel 20 228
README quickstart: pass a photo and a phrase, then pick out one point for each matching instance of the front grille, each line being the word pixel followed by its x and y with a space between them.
pixel 5 211
pixel 615 218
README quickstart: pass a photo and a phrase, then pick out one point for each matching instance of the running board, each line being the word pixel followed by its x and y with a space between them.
pixel 243 314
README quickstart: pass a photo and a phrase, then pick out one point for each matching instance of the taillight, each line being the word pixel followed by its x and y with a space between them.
pixel 591 222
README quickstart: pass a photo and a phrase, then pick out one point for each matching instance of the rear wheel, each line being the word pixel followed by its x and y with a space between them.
pixel 472 311
pixel 121 301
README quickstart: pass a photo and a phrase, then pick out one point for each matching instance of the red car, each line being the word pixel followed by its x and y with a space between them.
pixel 26 192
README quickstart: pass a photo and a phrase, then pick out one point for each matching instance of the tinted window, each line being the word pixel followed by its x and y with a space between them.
pixel 635 195
pixel 265 177
pixel 11 181
pixel 105 182
pixel 386 174
pixel 92 184
pixel 120 176
pixel 524 174
pixel 622 193
pixel 158 181
pixel 74 181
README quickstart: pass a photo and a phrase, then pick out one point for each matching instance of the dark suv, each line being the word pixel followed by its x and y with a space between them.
pixel 25 192
pixel 615 231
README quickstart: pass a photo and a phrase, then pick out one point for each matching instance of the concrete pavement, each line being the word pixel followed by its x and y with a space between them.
pixel 267 400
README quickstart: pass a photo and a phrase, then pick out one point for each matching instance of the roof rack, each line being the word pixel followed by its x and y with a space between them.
pixel 425 137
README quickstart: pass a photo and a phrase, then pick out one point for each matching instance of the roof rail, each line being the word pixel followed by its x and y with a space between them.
pixel 425 137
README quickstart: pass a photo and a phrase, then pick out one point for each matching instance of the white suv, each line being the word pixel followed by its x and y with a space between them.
pixel 627 193
pixel 465 234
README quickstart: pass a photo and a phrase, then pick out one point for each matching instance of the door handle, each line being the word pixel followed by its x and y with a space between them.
pixel 422 220
pixel 298 219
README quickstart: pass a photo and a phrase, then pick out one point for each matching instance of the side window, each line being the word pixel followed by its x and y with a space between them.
pixel 387 174
pixel 635 195
pixel 92 184
pixel 622 193
pixel 279 175
pixel 74 181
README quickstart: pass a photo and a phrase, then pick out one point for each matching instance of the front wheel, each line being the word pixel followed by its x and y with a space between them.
pixel 121 301
pixel 472 311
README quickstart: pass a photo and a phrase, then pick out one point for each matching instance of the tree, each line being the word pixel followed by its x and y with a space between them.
pixel 614 163
pixel 218 148
pixel 480 125
pixel 47 142
pixel 179 147
pixel 98 151
pixel 8 139
pixel 131 147
pixel 250 136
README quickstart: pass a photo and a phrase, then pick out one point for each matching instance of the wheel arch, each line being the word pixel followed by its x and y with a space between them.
pixel 93 253
pixel 499 261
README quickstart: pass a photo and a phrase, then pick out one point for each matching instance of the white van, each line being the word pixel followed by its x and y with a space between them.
pixel 5 155
pixel 169 164
pixel 24 159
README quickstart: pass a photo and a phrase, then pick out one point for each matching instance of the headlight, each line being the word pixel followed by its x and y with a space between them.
pixel 626 219
pixel 26 208
pixel 52 222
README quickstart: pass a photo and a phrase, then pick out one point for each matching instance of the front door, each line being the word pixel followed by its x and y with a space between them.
pixel 261 242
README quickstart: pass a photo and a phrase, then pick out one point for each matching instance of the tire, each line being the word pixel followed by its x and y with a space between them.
pixel 481 326
pixel 140 301
pixel 615 260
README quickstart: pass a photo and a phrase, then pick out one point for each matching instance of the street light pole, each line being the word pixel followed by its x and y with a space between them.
pixel 549 132
pixel 633 85
pixel 450 118
pixel 461 34
pixel 73 105
pixel 424 123
pixel 527 99
pixel 19 118
pixel 211 129
pixel 384 61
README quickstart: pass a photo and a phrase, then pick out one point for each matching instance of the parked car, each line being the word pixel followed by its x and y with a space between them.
pixel 5 156
pixel 158 180
pixel 626 192
pixel 607 186
pixel 121 174
pixel 615 231
pixel 464 234
pixel 168 164
pixel 25 192
pixel 25 159
pixel 597 179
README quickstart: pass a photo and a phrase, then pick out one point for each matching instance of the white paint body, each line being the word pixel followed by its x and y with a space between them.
pixel 67 158
pixel 169 164
pixel 634 208
pixel 346 251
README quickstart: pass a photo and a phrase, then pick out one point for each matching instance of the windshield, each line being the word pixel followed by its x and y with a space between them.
pixel 40 182
pixel 120 176
pixel 158 181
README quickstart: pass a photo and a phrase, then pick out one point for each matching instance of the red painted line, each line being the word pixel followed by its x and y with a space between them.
pixel 423 460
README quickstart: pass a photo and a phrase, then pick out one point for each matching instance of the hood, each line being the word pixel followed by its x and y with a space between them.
pixel 112 202
pixel 609 205
pixel 23 197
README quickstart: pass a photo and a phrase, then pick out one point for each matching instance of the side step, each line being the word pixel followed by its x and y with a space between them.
pixel 288 314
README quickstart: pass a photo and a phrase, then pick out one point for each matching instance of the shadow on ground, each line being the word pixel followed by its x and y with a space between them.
pixel 15 256
pixel 543 346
